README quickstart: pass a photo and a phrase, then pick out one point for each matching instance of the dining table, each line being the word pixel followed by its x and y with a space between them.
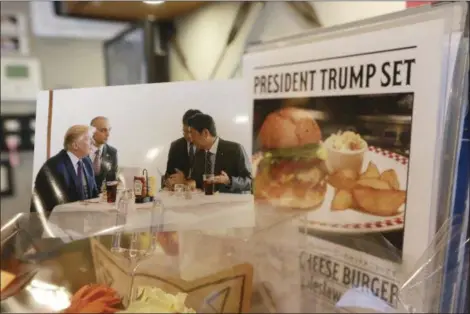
pixel 168 212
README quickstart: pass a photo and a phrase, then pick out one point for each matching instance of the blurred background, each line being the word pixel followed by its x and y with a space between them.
pixel 74 44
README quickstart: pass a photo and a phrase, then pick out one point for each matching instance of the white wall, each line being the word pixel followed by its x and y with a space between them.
pixel 70 63
pixel 202 34
pixel 339 12
pixel 278 19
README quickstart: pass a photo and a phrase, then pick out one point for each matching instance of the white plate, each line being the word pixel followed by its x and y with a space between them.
pixel 353 221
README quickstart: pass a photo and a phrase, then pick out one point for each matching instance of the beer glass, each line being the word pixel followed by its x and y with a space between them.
pixel 111 191
pixel 209 186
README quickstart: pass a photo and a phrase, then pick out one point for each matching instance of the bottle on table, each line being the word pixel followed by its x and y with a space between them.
pixel 140 189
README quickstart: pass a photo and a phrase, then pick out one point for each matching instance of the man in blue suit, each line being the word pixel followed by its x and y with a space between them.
pixel 68 176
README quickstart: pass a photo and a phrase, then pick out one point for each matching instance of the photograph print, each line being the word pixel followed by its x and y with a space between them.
pixel 344 159
pixel 155 151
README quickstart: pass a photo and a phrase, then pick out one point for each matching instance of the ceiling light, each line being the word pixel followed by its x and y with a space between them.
pixel 153 153
pixel 154 2
pixel 241 119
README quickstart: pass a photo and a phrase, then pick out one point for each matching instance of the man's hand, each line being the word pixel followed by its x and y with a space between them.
pixel 223 178
pixel 177 178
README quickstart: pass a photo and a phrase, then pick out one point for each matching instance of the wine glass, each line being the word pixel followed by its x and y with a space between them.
pixel 141 240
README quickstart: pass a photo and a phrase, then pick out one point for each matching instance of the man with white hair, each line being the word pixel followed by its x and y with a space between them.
pixel 67 176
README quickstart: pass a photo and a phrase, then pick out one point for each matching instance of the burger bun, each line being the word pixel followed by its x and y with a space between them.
pixel 289 127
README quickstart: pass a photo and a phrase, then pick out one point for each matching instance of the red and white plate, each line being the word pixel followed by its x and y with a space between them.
pixel 353 221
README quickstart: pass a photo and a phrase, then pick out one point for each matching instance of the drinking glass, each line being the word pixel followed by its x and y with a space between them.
pixel 111 191
pixel 179 190
pixel 209 186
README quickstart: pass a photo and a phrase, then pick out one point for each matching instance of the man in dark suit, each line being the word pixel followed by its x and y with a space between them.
pixel 182 151
pixel 226 160
pixel 67 176
pixel 103 156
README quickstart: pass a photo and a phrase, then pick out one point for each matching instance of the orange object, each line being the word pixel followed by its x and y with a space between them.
pixel 94 298
pixel 412 4
pixel 6 279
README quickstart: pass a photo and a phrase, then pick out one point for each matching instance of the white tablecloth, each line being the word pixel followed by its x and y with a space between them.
pixel 201 212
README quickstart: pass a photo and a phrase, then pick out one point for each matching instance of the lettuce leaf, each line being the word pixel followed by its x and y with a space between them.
pixel 309 151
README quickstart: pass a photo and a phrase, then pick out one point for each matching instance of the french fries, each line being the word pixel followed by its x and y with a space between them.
pixel 344 179
pixel 372 192
pixel 373 183
pixel 343 200
pixel 372 172
pixel 390 176
pixel 379 202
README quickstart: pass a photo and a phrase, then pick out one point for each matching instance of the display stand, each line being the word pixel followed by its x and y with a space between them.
pixel 349 78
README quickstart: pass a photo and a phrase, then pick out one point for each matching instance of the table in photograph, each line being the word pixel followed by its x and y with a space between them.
pixel 219 211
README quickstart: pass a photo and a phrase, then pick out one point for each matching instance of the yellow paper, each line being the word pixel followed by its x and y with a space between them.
pixel 155 300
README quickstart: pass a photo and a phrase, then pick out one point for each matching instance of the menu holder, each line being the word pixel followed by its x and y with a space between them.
pixel 225 291
pixel 263 300
pixel 110 269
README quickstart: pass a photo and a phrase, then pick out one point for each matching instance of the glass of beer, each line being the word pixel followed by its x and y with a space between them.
pixel 111 191
pixel 209 186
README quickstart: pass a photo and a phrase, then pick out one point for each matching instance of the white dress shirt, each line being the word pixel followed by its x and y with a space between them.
pixel 214 146
pixel 74 159
pixel 188 147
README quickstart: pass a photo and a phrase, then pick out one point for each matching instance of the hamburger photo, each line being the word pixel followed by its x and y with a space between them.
pixel 292 171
